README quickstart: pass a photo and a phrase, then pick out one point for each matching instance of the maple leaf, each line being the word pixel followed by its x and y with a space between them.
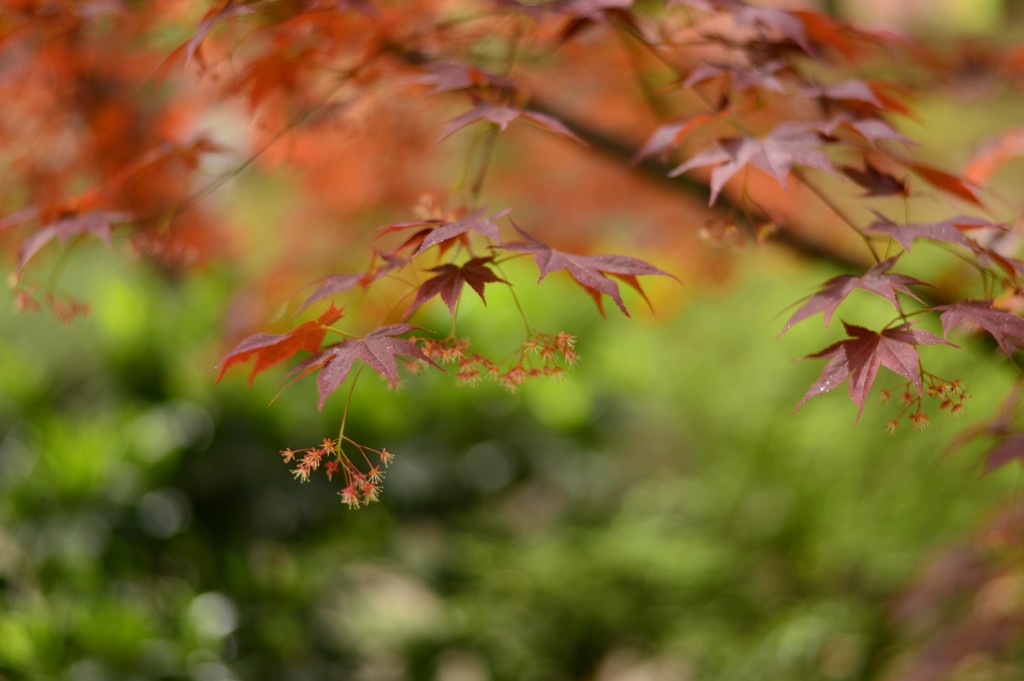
pixel 993 154
pixel 269 348
pixel 739 78
pixel 877 280
pixel 785 24
pixel 18 218
pixel 443 231
pixel 848 41
pixel 857 96
pixel 776 153
pixel 671 135
pixel 451 77
pixel 950 230
pixel 1006 328
pixel 339 283
pixel 589 271
pixel 850 90
pixel 874 130
pixel 449 280
pixel 944 181
pixel 98 223
pixel 877 182
pixel 503 116
pixel 859 357
pixel 226 10
pixel 587 9
pixel 582 14
pixel 376 350
pixel 1006 450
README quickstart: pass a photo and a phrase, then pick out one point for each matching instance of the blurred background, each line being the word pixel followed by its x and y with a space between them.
pixel 658 515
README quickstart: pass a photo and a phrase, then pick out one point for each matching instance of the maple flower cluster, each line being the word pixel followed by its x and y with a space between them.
pixel 64 308
pixel 950 394
pixel 360 488
pixel 540 355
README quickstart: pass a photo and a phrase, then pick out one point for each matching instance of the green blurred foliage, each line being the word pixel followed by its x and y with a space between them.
pixel 658 514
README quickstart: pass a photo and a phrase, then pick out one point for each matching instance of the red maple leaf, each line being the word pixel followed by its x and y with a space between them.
pixel 442 232
pixel 944 181
pixel 376 349
pixel 993 154
pixel 949 230
pixel 776 153
pixel 503 116
pixel 270 348
pixel 98 223
pixel 848 41
pixel 859 357
pixel 449 280
pixel 1006 328
pixel 589 271
pixel 877 280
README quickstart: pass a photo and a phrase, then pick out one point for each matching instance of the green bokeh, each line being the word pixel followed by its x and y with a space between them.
pixel 658 511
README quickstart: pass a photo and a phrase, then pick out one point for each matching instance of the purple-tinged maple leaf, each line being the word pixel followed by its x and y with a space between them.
pixel 1008 442
pixel 452 77
pixel 671 135
pixel 442 231
pixel 875 181
pixel 1009 448
pixel 858 96
pixel 589 271
pixel 859 357
pixel 740 78
pixel 877 280
pixel 776 153
pixel 950 230
pixel 340 283
pixel 874 130
pixel 377 350
pixel 576 9
pixel 98 223
pixel 850 90
pixel 18 218
pixel 785 24
pixel 449 280
pixel 1006 328
pixel 503 116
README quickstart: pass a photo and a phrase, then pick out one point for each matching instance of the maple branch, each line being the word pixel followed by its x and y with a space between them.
pixel 653 170
pixel 836 209
pixel 657 172
pixel 487 151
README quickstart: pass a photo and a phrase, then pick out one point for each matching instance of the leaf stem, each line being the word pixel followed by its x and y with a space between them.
pixel 515 299
pixel 344 416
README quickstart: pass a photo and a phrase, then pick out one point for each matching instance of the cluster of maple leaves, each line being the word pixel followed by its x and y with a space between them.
pixel 747 103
